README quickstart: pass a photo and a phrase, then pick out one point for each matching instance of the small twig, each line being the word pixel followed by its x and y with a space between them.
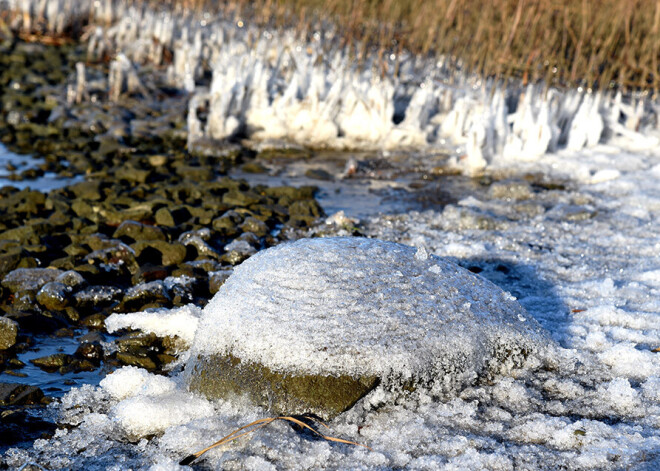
pixel 257 424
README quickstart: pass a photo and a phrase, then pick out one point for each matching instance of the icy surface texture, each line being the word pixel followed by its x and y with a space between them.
pixel 356 306
pixel 181 322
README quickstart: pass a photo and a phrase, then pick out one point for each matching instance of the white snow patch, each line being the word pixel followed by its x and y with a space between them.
pixel 130 381
pixel 181 322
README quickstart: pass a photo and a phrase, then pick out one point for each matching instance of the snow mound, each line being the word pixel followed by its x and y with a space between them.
pixel 365 307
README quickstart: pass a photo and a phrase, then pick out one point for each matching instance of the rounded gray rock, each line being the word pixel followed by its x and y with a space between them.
pixel 301 325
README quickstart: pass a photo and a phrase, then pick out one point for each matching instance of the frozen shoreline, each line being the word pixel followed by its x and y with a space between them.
pixel 584 263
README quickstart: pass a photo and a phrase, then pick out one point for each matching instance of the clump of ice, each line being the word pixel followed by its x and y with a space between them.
pixel 130 381
pixel 142 415
pixel 359 306
pixel 181 322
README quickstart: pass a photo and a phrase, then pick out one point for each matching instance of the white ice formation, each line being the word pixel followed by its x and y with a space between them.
pixel 363 307
pixel 271 86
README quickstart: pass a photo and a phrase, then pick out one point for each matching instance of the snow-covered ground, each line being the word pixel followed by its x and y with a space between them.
pixel 583 259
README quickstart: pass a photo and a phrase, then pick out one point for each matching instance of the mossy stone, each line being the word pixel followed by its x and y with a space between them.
pixel 221 376
pixel 138 231
pixel 8 333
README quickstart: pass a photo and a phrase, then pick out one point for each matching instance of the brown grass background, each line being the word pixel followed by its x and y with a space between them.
pixel 592 43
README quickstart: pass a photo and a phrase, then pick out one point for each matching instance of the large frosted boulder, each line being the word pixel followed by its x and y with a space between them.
pixel 314 325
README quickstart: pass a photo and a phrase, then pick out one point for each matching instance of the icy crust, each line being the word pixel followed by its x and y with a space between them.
pixel 364 307
pixel 181 322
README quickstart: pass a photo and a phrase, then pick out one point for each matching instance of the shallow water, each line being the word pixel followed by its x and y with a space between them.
pixel 378 185
pixel 48 181
pixel 52 384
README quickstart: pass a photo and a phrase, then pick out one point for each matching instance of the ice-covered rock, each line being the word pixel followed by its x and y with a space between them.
pixel 316 324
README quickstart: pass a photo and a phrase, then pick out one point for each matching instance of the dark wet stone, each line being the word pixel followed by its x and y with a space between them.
pixel 308 210
pixel 235 257
pixel 291 193
pixel 138 231
pixel 72 313
pixel 144 293
pixel 8 333
pixel 149 273
pixel 182 293
pixel 203 266
pixel 136 342
pixel 119 257
pixel 29 279
pixel 35 322
pixel 203 234
pixel 240 198
pixel 254 225
pixel 9 261
pixel 132 174
pixel 28 235
pixel 97 297
pixel 90 190
pixel 198 174
pixel 18 427
pixel 164 217
pixel 250 238
pixel 141 361
pixel 157 160
pixel 158 252
pixel 72 279
pixel 227 224
pixel 63 263
pixel 54 296
pixel 166 358
pixel 202 248
pixel 24 300
pixel 217 279
pixel 12 394
pixel 82 209
pixel 63 332
pixel 95 321
pixel 77 365
pixel 254 167
pixel 326 396
pixel 91 337
pixel 318 174
pixel 52 363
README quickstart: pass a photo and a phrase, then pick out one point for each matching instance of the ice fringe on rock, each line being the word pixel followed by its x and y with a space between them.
pixel 350 307
pixel 270 85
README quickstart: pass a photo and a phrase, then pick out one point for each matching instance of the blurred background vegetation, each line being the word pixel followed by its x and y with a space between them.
pixel 591 43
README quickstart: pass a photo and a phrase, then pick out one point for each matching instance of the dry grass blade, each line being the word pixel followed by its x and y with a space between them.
pixel 257 424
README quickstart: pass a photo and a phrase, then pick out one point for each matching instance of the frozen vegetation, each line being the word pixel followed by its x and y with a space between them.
pixel 276 89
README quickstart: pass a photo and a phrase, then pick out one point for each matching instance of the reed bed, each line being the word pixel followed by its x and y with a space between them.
pixel 590 43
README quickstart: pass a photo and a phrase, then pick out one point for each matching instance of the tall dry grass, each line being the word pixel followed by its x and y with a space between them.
pixel 593 43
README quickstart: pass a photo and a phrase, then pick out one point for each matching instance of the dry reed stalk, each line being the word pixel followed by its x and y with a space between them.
pixel 257 424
